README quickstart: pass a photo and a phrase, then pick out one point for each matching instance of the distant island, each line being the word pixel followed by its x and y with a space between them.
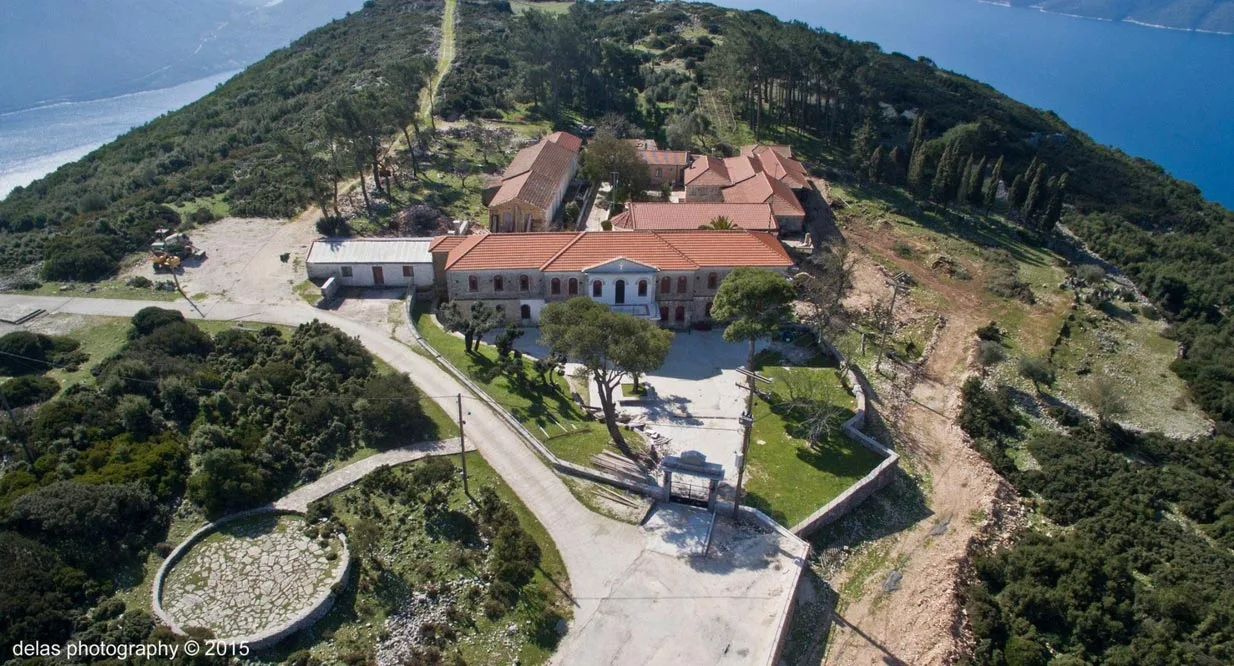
pixel 1216 16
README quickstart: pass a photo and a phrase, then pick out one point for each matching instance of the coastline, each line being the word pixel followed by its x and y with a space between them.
pixel 1144 24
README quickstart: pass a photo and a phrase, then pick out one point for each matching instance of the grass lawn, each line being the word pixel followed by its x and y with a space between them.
pixel 442 558
pixel 309 292
pixel 627 389
pixel 546 412
pixel 100 338
pixel 103 289
pixel 788 479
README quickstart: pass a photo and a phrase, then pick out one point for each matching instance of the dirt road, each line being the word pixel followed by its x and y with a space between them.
pixel 914 624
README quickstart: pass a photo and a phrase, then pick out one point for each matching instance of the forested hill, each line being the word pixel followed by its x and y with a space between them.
pixel 1207 15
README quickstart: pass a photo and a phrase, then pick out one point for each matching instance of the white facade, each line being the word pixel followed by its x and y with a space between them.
pixel 372 262
pixel 624 285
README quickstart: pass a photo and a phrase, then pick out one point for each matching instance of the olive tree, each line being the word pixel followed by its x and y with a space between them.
pixel 610 345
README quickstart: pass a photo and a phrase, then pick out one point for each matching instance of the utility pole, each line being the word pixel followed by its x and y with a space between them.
pixel 747 425
pixel 898 283
pixel 462 445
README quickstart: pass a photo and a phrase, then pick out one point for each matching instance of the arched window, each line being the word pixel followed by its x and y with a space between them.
pixel 663 313
pixel 666 285
pixel 597 289
pixel 472 283
pixel 680 315
pixel 525 312
pixel 524 283
pixel 642 287
pixel 712 280
pixel 683 284
pixel 555 286
pixel 499 283
pixel 707 310
pixel 574 286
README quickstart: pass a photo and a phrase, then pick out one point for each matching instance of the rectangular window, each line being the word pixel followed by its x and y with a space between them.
pixel 346 271
pixel 407 271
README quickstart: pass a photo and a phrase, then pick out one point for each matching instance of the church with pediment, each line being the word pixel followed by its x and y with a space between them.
pixel 669 277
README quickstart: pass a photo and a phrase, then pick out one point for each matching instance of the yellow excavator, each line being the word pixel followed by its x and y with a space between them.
pixel 169 250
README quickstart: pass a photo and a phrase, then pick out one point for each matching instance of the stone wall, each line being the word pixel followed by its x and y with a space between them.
pixel 869 484
pixel 310 614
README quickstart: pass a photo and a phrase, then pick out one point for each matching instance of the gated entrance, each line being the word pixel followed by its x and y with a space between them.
pixel 690 479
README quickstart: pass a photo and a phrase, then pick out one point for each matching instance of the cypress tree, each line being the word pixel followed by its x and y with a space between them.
pixel 1035 198
pixel 1017 192
pixel 917 171
pixel 864 141
pixel 894 171
pixel 964 176
pixel 876 165
pixel 943 173
pixel 991 187
pixel 916 134
pixel 974 194
pixel 1054 209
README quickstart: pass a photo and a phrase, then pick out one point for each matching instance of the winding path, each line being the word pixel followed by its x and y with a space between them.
pixel 300 498
pixel 632 605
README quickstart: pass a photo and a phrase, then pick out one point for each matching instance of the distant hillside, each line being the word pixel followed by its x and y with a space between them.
pixel 1208 15
pixel 79 49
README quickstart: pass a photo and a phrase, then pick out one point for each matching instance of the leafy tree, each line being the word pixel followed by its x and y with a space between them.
pixel 150 318
pixel 916 134
pixel 976 176
pixel 407 81
pixel 608 344
pixel 606 155
pixel 391 410
pixel 41 598
pixel 226 481
pixel 23 352
pixel 505 341
pixel 864 141
pixel 1034 199
pixel 894 169
pixel 1105 398
pixel 946 176
pixel 755 302
pixel 1017 193
pixel 92 526
pixel 473 322
pixel 1036 370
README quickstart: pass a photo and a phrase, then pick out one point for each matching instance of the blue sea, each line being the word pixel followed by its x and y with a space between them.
pixel 1166 95
pixel 33 142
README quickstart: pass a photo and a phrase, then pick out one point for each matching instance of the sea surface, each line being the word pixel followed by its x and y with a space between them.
pixel 33 142
pixel 1167 95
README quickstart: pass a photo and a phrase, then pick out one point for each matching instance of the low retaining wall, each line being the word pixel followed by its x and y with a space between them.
pixel 870 483
pixel 311 614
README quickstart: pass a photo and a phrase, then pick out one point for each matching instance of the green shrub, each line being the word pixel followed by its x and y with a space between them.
pixel 29 390
pixel 148 319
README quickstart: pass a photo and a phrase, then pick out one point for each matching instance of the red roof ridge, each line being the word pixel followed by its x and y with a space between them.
pixel 560 252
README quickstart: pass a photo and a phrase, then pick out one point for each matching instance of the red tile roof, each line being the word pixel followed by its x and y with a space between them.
pixel 741 169
pixel 665 250
pixel 493 251
pixel 665 157
pixel 535 173
pixel 765 189
pixel 566 140
pixel 445 243
pixel 656 216
pixel 707 170
pixel 778 161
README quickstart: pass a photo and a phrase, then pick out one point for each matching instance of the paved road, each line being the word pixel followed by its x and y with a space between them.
pixel 300 498
pixel 632 604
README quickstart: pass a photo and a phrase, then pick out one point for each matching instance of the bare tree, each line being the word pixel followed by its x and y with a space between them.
pixel 810 399
pixel 824 289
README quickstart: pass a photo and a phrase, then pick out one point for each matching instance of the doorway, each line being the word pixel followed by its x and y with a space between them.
pixel 621 292
pixel 378 277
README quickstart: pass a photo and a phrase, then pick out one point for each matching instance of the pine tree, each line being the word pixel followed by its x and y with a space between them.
pixel 917 171
pixel 1035 198
pixel 991 187
pixel 1054 209
pixel 893 172
pixel 1017 192
pixel 864 141
pixel 975 178
pixel 875 169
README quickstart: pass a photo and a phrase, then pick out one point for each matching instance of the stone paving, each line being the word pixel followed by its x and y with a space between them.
pixel 250 576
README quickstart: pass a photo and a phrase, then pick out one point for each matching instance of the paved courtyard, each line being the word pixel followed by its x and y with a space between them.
pixel 250 576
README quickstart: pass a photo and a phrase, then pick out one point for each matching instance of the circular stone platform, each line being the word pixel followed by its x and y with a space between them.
pixel 255 578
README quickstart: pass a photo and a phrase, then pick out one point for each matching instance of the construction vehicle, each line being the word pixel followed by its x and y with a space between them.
pixel 170 249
